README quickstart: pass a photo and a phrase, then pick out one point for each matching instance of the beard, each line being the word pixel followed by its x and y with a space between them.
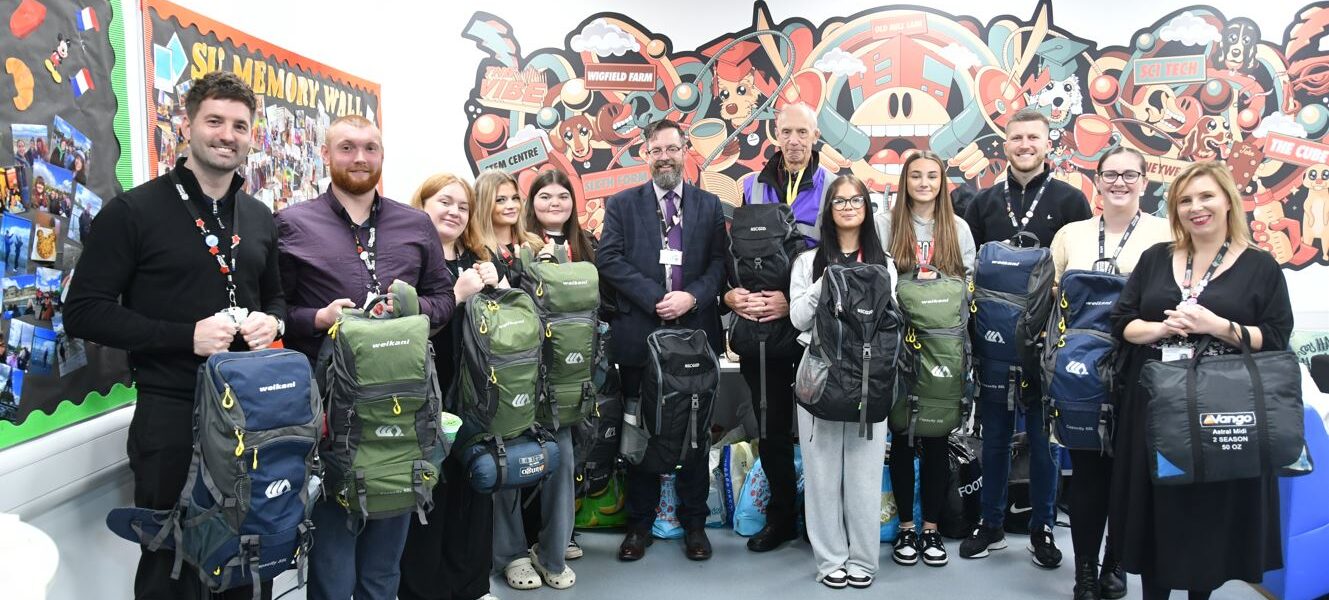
pixel 342 179
pixel 666 179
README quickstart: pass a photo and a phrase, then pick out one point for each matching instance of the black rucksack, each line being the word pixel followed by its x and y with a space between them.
pixel 677 402
pixel 762 245
pixel 848 373
pixel 595 439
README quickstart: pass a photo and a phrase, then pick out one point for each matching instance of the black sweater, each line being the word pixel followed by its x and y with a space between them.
pixel 1061 204
pixel 145 278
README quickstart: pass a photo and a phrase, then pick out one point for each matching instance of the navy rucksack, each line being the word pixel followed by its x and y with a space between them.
pixel 1078 359
pixel 243 515
pixel 1012 300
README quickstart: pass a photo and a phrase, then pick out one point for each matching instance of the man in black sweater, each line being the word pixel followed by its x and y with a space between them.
pixel 1031 200
pixel 174 285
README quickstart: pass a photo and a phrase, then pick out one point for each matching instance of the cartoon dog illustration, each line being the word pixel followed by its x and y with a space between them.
pixel 574 136
pixel 1315 209
pixel 1210 140
pixel 1236 47
pixel 1059 101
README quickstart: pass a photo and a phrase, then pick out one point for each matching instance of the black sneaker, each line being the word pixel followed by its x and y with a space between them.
pixel 934 552
pixel 982 540
pixel 1044 548
pixel 906 548
pixel 837 579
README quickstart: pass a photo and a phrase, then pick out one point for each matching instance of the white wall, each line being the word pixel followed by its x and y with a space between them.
pixel 415 50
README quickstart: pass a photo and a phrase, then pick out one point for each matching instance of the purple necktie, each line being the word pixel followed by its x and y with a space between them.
pixel 675 237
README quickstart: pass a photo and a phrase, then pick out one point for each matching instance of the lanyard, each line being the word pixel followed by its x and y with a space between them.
pixel 791 187
pixel 1126 235
pixel 368 252
pixel 668 226
pixel 1028 214
pixel 1192 295
pixel 225 258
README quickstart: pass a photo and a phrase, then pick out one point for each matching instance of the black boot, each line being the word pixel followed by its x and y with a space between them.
pixel 1086 579
pixel 1112 579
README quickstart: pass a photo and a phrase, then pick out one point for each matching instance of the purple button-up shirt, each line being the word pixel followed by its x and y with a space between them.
pixel 319 263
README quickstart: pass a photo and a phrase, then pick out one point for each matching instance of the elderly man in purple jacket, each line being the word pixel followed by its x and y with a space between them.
pixel 337 251
pixel 793 176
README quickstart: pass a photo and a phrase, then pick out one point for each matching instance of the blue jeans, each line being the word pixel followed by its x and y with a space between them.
pixel 998 427
pixel 342 564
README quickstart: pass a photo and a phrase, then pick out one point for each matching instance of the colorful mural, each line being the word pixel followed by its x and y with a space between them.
pixel 1193 85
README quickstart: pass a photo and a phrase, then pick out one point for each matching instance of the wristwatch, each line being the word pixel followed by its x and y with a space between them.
pixel 281 327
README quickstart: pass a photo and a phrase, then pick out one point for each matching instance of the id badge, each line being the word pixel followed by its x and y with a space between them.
pixel 1173 352
pixel 671 257
pixel 237 314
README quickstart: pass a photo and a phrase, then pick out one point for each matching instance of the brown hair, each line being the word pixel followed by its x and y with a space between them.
pixel 578 241
pixel 946 256
pixel 436 182
pixel 1028 115
pixel 1237 230
pixel 219 85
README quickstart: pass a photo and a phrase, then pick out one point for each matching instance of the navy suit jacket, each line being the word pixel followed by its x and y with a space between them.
pixel 629 260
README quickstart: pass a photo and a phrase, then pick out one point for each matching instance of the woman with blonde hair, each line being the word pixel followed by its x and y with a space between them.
pixel 499 229
pixel 1211 282
pixel 449 557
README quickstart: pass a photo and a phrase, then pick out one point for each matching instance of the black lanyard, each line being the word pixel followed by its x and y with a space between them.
pixel 1192 295
pixel 225 257
pixel 1126 235
pixel 1028 214
pixel 368 252
pixel 667 227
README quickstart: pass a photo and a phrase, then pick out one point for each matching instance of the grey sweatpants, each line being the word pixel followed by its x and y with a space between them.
pixel 842 493
pixel 557 510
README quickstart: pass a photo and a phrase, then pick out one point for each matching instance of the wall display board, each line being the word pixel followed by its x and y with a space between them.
pixel 297 99
pixel 65 136
pixel 1190 85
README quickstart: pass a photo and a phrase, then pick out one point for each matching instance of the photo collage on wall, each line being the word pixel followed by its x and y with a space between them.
pixel 49 169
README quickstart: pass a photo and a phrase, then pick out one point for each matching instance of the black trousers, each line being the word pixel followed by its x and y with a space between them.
pixel 450 557
pixel 692 482
pixel 160 448
pixel 1091 481
pixel 933 473
pixel 776 449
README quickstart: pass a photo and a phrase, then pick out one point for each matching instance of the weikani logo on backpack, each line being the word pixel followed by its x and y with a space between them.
pixel 576 282
pixel 994 337
pixel 937 301
pixel 389 431
pixel 1076 367
pixel 575 359
pixel 521 400
pixel 511 323
pixel 1227 419
pixel 390 343
pixel 1008 263
pixel 1099 303
pixel 277 488
pixel 290 385
pixel 941 371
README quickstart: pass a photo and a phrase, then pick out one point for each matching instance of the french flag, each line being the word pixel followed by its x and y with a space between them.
pixel 82 83
pixel 87 19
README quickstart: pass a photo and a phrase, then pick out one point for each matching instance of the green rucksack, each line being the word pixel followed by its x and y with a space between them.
pixel 383 405
pixel 937 366
pixel 498 382
pixel 567 295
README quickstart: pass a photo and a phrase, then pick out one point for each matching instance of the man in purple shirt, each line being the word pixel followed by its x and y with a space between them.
pixel 338 250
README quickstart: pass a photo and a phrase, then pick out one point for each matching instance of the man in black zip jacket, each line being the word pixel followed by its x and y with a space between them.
pixel 171 285
pixel 1031 200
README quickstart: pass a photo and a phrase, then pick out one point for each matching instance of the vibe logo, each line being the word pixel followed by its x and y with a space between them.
pixel 941 371
pixel 389 431
pixel 994 337
pixel 575 358
pixel 1076 367
pixel 277 488
pixel 521 400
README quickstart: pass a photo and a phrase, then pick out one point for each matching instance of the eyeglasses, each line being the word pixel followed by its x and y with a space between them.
pixel 855 202
pixel 658 152
pixel 1126 176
